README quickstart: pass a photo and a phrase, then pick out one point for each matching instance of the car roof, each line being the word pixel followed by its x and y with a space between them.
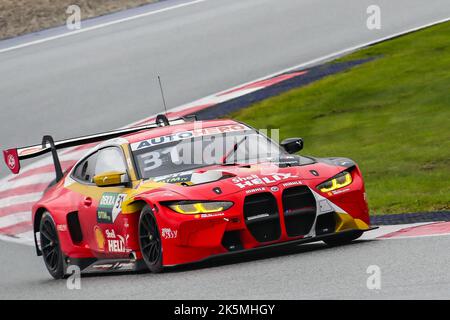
pixel 167 130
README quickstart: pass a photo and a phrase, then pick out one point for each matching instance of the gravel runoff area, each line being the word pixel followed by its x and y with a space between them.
pixel 19 17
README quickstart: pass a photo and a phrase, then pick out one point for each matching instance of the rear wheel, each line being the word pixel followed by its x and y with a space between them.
pixel 343 239
pixel 150 240
pixel 50 247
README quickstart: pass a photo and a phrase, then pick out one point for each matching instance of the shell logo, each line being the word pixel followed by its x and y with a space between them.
pixel 100 238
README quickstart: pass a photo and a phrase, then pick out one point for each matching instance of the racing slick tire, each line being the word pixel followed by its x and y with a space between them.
pixel 50 247
pixel 343 239
pixel 150 240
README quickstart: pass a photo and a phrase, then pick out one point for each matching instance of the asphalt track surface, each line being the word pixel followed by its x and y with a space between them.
pixel 106 78
pixel 410 269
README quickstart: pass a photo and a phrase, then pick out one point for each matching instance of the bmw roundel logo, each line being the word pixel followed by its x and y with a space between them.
pixel 274 189
pixel 11 161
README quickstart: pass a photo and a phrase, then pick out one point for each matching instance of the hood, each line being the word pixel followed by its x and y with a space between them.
pixel 218 181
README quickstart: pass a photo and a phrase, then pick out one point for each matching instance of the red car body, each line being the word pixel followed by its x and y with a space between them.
pixel 272 204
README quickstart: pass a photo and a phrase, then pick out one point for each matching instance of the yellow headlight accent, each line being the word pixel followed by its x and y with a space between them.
pixel 342 180
pixel 201 207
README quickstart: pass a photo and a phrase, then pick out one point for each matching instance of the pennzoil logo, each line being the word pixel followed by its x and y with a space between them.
pixel 255 190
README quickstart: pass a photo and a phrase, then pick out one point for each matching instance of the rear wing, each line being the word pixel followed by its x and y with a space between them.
pixel 13 156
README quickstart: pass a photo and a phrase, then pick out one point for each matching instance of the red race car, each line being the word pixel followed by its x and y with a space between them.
pixel 183 191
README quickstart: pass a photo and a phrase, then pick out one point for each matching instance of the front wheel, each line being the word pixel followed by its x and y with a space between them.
pixel 50 247
pixel 343 239
pixel 150 240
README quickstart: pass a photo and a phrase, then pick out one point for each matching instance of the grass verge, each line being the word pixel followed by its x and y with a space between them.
pixel 391 115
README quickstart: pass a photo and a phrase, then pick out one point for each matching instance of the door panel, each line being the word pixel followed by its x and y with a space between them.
pixel 99 207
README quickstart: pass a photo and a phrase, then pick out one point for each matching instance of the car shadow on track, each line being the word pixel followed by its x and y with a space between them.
pixel 243 257
pixel 268 253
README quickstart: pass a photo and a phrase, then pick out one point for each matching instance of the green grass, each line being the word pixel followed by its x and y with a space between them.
pixel 391 115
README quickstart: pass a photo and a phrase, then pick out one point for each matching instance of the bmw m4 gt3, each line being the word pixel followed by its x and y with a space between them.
pixel 183 191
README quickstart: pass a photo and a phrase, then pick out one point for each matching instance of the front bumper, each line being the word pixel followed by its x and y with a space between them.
pixel 281 215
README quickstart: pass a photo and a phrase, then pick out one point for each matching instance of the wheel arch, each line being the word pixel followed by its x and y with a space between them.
pixel 36 223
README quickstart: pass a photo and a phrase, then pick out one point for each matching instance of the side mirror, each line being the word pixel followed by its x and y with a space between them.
pixel 292 145
pixel 111 178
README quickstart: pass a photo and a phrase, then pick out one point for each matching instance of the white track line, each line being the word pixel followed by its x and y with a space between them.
pixel 415 237
pixel 30 197
pixel 15 219
pixel 22 238
pixel 20 182
pixel 387 229
pixel 101 25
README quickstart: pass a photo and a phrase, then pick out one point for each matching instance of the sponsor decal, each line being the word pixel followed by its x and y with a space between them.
pixel 114 266
pixel 255 190
pixel 125 223
pixel 109 207
pixel 254 180
pixel 61 227
pixel 340 191
pixel 168 233
pixel 208 215
pixel 103 267
pixel 99 238
pixel 292 183
pixel 175 177
pixel 187 135
pixel 116 243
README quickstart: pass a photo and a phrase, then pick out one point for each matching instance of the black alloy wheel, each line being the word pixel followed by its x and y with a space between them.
pixel 150 240
pixel 50 247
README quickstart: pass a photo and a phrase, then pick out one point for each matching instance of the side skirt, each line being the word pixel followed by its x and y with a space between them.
pixel 92 265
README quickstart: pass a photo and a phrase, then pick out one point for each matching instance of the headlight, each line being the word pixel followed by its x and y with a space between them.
pixel 341 180
pixel 195 207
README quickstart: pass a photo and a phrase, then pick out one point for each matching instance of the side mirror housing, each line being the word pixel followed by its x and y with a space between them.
pixel 292 145
pixel 111 178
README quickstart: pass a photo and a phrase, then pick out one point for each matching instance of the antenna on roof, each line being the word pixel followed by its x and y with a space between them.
pixel 162 94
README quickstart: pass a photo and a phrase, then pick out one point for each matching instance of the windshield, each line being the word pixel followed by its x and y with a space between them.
pixel 184 154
